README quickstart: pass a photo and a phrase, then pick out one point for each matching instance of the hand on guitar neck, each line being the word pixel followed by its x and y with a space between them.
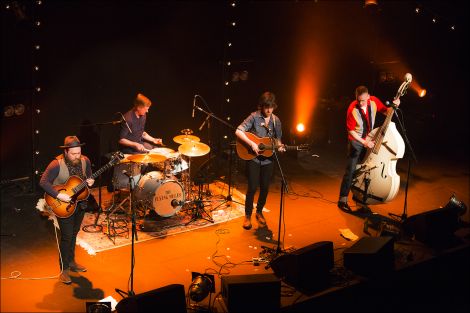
pixel 255 146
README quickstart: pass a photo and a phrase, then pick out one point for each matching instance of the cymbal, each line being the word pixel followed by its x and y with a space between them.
pixel 182 139
pixel 194 149
pixel 147 158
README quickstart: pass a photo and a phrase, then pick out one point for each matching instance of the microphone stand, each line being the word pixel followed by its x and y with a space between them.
pixel 98 228
pixel 278 250
pixel 131 292
pixel 404 216
pixel 229 196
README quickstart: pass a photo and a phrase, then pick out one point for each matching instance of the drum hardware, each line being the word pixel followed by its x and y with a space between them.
pixel 197 209
pixel 187 131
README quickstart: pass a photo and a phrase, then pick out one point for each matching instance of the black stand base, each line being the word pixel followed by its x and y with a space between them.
pixel 198 212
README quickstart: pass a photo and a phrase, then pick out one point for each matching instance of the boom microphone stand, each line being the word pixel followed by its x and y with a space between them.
pixel 404 216
pixel 209 115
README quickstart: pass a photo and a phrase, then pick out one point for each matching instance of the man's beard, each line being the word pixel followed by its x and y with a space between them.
pixel 74 162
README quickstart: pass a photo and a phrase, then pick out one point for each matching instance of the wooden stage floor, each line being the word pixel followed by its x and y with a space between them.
pixel 29 250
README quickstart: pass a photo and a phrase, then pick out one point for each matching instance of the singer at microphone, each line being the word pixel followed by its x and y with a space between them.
pixel 259 165
pixel 133 138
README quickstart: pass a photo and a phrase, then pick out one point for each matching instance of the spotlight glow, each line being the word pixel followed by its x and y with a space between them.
pixel 422 93
pixel 300 127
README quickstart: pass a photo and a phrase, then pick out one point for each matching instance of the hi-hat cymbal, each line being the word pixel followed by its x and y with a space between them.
pixel 147 158
pixel 182 139
pixel 194 149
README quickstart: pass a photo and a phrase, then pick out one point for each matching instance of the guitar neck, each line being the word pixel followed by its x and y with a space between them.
pixel 93 176
pixel 271 147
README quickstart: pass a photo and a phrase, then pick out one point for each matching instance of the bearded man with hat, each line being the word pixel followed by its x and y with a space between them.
pixel 70 162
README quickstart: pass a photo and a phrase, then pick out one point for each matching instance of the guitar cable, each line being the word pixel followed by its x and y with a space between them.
pixel 16 274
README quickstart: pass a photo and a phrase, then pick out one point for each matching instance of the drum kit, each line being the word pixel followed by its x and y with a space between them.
pixel 159 180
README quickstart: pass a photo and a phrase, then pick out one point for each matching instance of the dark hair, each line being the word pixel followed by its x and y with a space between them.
pixel 361 90
pixel 267 100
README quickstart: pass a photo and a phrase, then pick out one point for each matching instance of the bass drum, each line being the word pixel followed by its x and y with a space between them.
pixel 165 196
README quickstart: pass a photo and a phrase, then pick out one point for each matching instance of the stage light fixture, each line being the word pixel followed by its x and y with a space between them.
pixel 19 109
pixel 244 75
pixel 235 77
pixel 370 2
pixel 201 286
pixel 422 93
pixel 456 205
pixel 8 111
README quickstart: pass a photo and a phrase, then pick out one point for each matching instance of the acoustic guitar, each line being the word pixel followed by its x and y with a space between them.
pixel 77 189
pixel 265 147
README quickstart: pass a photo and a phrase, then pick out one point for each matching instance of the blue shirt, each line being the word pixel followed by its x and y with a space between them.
pixel 253 124
pixel 137 125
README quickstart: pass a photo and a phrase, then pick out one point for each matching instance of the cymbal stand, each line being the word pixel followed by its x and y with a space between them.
pixel 98 228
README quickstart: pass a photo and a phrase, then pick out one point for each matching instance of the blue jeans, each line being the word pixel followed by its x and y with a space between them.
pixel 356 152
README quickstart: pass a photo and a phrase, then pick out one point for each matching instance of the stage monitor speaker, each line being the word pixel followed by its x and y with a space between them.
pixel 433 227
pixel 370 256
pixel 170 298
pixel 251 293
pixel 308 268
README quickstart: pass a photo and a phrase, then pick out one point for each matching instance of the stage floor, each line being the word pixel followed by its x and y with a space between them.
pixel 29 249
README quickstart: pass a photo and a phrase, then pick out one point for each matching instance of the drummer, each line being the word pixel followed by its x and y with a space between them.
pixel 133 138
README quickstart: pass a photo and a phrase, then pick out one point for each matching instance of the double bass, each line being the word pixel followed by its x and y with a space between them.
pixel 375 179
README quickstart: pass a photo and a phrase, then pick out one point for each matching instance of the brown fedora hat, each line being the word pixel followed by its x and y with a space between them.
pixel 71 142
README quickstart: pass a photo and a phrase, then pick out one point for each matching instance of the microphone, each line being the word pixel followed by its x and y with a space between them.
pixel 116 122
pixel 194 104
pixel 124 120
pixel 175 203
pixel 267 128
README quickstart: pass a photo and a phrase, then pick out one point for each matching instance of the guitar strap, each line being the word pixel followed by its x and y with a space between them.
pixel 274 125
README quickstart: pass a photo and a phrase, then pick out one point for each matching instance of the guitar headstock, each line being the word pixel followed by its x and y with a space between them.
pixel 117 156
pixel 404 86
pixel 303 147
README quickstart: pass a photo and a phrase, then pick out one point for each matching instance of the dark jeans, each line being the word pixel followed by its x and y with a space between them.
pixel 69 228
pixel 258 176
pixel 356 152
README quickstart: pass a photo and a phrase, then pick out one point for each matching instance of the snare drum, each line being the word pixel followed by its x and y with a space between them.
pixel 166 196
